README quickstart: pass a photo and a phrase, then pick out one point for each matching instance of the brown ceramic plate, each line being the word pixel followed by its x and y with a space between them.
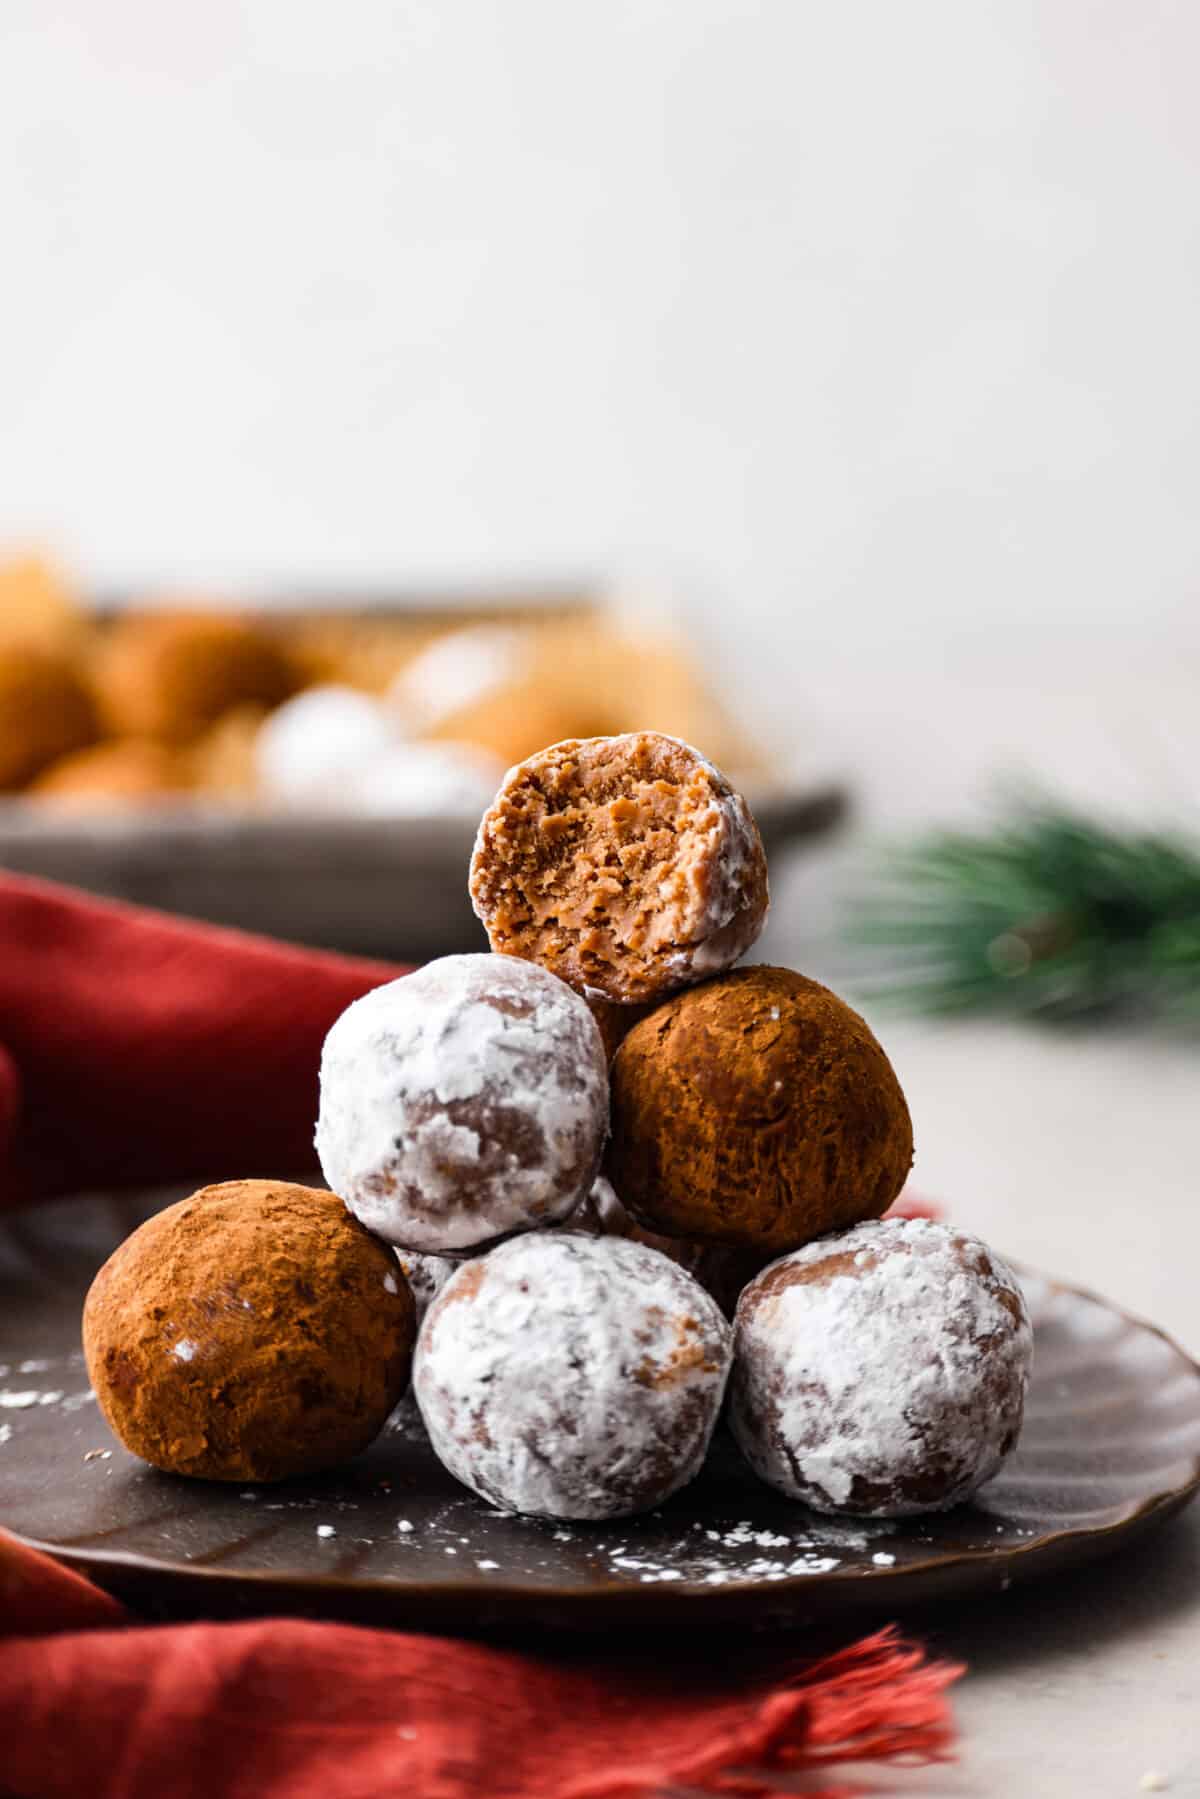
pixel 1111 1446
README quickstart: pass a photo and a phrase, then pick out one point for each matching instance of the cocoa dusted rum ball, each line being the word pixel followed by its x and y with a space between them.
pixel 110 777
pixel 756 1110
pixel 46 711
pixel 170 675
pixel 251 1332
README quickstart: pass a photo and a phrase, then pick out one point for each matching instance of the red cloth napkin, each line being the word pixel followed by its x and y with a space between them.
pixel 136 1049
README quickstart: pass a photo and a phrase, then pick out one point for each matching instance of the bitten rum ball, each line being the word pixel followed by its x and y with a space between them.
pixel 627 865
pixel 881 1372
pixel 462 1103
pixel 757 1110
pixel 251 1332
pixel 572 1377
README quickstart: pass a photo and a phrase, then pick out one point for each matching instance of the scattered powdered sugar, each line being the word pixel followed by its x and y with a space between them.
pixel 658 1548
pixel 14 1400
pixel 75 1402
pixel 6 1431
pixel 690 1558
pixel 913 1349
pixel 768 1570
pixel 649 1572
pixel 572 1377
pixel 462 1102
pixel 765 1539
pixel 311 1503
pixel 326 1530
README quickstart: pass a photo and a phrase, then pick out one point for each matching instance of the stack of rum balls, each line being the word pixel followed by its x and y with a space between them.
pixel 569 1330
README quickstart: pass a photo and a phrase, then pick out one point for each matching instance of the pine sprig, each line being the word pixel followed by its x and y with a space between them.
pixel 1051 914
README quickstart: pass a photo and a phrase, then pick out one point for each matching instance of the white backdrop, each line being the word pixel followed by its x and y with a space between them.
pixel 876 324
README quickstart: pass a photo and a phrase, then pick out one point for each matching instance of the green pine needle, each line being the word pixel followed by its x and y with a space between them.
pixel 1052 914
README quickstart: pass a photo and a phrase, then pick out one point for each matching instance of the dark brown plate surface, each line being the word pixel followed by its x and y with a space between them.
pixel 1111 1445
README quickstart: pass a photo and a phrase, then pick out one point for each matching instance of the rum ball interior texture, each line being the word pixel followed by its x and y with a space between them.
pixel 462 1103
pixel 251 1332
pixel 756 1110
pixel 883 1371
pixel 628 865
pixel 570 1376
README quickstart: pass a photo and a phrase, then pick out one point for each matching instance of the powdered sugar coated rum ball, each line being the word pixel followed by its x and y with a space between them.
pixel 882 1371
pixel 308 748
pixel 572 1377
pixel 423 780
pixel 463 1103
